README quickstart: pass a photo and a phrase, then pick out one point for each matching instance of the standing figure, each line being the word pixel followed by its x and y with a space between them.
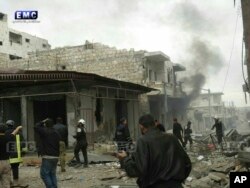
pixel 178 131
pixel 5 170
pixel 159 160
pixel 159 126
pixel 63 132
pixel 15 152
pixel 122 136
pixel 49 150
pixel 187 134
pixel 219 130
pixel 81 143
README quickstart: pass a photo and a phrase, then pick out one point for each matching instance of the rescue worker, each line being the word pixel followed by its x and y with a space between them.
pixel 178 131
pixel 49 150
pixel 81 143
pixel 159 160
pixel 15 150
pixel 5 170
pixel 187 134
pixel 159 126
pixel 219 130
pixel 63 132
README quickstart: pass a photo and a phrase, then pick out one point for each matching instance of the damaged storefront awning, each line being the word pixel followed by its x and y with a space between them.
pixel 66 81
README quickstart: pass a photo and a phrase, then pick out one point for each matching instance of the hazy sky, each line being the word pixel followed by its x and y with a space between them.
pixel 182 29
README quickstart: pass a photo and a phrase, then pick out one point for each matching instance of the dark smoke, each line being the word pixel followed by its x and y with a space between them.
pixel 202 58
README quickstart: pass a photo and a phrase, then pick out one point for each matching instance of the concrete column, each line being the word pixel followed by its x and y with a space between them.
pixel 24 113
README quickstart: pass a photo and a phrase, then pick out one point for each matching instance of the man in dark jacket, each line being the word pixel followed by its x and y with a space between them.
pixel 122 135
pixel 178 131
pixel 187 134
pixel 81 143
pixel 49 150
pixel 63 132
pixel 159 126
pixel 5 171
pixel 159 160
pixel 219 130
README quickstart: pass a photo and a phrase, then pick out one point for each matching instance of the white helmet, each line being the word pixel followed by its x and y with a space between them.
pixel 82 121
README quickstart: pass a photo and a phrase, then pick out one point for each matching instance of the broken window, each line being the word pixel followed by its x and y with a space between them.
pixel 27 40
pixel 1 43
pixel 16 38
pixel 44 45
pixel 13 57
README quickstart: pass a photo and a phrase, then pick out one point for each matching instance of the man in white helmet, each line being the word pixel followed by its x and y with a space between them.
pixel 81 143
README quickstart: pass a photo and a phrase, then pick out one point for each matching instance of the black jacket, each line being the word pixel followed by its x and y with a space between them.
pixel 177 129
pixel 4 139
pixel 49 140
pixel 122 133
pixel 159 159
pixel 219 128
pixel 12 145
pixel 62 130
pixel 81 135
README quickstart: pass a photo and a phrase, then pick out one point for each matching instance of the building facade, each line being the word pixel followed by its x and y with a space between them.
pixel 18 44
pixel 203 109
pixel 153 69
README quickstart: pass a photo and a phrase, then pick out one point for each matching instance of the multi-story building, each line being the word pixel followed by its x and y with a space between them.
pixel 16 44
pixel 204 108
pixel 153 69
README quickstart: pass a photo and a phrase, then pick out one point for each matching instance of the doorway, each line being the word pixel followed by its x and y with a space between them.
pixel 50 108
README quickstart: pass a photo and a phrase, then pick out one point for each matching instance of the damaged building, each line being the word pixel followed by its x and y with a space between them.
pixel 152 69
pixel 208 105
pixel 28 97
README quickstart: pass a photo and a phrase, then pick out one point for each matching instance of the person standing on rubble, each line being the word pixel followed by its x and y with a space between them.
pixel 5 170
pixel 15 151
pixel 178 131
pixel 62 130
pixel 49 150
pixel 187 134
pixel 219 130
pixel 122 136
pixel 159 160
pixel 81 143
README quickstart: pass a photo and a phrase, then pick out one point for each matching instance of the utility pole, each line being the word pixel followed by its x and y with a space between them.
pixel 209 105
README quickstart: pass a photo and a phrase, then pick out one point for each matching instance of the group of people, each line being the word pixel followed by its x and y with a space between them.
pixel 51 140
pixel 159 160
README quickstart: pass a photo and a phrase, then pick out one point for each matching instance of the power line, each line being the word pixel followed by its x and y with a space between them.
pixel 231 53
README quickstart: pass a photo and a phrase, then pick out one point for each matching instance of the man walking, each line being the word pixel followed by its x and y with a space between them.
pixel 62 130
pixel 81 143
pixel 219 130
pixel 159 160
pixel 187 134
pixel 49 150
pixel 159 126
pixel 178 131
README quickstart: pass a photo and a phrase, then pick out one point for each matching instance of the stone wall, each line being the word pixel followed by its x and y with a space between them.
pixel 125 65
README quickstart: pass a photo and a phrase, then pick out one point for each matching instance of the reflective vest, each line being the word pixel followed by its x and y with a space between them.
pixel 17 158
